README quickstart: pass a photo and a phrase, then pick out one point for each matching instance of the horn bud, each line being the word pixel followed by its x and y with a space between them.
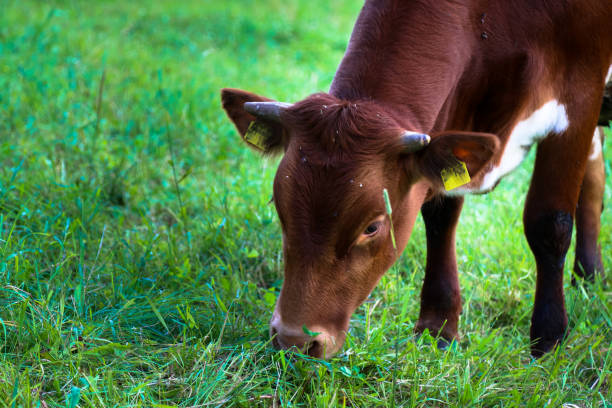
pixel 271 111
pixel 414 141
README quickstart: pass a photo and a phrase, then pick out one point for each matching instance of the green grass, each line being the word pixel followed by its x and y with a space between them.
pixel 140 259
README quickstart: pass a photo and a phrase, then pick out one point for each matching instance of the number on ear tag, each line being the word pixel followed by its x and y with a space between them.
pixel 455 176
pixel 257 134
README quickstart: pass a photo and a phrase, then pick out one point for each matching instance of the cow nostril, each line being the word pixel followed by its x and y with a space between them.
pixel 315 349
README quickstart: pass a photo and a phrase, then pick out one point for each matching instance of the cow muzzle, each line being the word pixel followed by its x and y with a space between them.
pixel 324 344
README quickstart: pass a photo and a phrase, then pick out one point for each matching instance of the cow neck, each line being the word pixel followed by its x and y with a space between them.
pixel 404 80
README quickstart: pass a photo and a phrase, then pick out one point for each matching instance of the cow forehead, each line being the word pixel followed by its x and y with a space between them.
pixel 316 182
pixel 320 203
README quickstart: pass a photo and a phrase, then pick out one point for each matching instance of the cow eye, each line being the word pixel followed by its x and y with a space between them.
pixel 372 229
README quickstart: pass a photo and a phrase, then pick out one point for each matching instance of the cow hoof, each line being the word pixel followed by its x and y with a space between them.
pixel 442 343
pixel 585 280
pixel 446 345
pixel 542 347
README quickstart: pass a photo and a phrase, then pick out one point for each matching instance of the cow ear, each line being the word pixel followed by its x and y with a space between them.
pixel 448 149
pixel 260 133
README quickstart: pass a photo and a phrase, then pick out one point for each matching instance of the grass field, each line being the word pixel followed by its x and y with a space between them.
pixel 140 259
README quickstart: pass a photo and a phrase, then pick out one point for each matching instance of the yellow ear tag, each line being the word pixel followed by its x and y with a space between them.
pixel 455 176
pixel 257 134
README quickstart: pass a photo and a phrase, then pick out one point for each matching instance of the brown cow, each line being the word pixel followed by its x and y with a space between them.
pixel 422 87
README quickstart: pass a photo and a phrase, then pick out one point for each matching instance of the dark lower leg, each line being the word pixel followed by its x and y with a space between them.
pixel 549 237
pixel 440 295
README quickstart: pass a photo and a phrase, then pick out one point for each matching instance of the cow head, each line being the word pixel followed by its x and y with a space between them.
pixel 337 158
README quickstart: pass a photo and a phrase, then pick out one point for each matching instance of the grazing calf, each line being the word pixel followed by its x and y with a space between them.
pixel 434 100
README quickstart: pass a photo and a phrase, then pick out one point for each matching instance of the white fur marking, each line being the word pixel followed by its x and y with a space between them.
pixel 550 117
pixel 596 146
pixel 609 76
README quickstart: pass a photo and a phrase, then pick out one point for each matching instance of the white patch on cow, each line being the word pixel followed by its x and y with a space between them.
pixel 549 118
pixel 609 76
pixel 595 146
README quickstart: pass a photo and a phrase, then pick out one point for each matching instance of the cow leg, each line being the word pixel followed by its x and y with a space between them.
pixel 440 295
pixel 588 214
pixel 548 219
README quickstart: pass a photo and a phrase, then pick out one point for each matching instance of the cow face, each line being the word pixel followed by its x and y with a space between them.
pixel 338 158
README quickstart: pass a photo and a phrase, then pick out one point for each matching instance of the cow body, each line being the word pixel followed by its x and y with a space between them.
pixel 513 70
pixel 486 80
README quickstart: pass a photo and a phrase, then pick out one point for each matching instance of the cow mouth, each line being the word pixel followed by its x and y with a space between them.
pixel 312 348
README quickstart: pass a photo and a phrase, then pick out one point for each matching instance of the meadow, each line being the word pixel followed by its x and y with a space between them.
pixel 140 258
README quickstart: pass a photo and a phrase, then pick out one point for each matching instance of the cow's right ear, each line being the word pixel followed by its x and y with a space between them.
pixel 263 133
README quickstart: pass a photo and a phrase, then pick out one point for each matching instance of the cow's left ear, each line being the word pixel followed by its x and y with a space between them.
pixel 447 148
pixel 257 119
